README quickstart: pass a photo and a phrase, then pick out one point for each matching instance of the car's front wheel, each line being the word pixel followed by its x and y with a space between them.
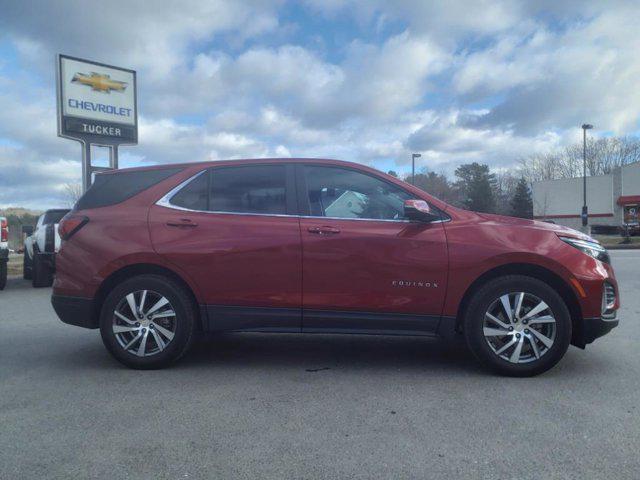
pixel 517 326
pixel 148 322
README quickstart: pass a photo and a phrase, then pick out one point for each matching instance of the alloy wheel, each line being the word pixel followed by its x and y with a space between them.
pixel 144 323
pixel 519 327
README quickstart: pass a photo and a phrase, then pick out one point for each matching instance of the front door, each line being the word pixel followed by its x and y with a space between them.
pixel 366 268
pixel 235 233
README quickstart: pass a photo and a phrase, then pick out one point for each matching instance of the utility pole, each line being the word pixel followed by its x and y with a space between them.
pixel 585 210
pixel 413 167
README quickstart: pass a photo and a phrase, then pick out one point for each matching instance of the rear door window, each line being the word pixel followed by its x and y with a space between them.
pixel 194 195
pixel 249 189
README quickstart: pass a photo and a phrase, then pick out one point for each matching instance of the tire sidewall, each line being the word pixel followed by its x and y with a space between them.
pixel 185 321
pixel 26 266
pixel 487 295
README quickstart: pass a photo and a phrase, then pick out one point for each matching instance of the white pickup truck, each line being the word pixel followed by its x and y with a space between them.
pixel 40 248
pixel 4 251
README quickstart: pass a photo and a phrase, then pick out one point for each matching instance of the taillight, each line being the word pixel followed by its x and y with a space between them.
pixel 70 224
pixel 4 230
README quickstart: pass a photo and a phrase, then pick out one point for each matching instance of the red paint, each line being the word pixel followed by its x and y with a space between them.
pixel 355 269
pixel 249 260
pixel 276 261
pixel 628 199
pixel 591 215
pixel 4 230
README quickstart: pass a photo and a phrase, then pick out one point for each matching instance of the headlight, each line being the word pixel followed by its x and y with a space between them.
pixel 593 249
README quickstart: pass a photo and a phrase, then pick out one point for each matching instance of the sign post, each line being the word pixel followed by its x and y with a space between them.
pixel 97 105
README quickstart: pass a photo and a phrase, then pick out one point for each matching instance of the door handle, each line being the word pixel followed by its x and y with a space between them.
pixel 323 230
pixel 183 222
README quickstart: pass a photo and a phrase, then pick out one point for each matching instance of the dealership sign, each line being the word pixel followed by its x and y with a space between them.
pixel 96 102
pixel 96 106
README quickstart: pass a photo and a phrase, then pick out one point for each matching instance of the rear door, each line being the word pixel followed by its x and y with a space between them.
pixel 235 232
pixel 366 268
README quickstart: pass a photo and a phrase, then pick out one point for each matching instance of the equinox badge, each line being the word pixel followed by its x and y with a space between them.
pixel 411 283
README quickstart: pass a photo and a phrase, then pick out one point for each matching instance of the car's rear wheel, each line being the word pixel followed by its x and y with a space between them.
pixel 517 326
pixel 148 322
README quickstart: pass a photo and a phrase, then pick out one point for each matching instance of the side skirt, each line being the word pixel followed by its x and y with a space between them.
pixel 293 320
pixel 253 319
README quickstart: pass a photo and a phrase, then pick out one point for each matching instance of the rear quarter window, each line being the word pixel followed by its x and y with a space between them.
pixel 113 188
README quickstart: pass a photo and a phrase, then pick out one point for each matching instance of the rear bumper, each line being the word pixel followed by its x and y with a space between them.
pixel 75 310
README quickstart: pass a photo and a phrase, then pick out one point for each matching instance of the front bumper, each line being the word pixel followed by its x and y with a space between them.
pixel 593 328
pixel 75 311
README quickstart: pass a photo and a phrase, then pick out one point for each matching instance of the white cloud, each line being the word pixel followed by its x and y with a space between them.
pixel 559 79
pixel 445 137
pixel 458 81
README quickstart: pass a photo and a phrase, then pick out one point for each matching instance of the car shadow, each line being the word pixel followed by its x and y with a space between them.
pixel 321 354
pixel 314 353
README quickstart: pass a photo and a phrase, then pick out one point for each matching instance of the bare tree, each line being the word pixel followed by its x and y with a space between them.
pixel 603 156
pixel 505 186
pixel 72 193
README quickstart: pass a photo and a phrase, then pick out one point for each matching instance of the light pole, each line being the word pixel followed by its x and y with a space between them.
pixel 585 210
pixel 413 167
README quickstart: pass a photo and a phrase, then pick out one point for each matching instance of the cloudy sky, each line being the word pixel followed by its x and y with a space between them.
pixel 368 81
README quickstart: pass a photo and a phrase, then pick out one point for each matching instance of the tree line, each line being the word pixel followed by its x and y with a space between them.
pixel 507 192
pixel 603 155
pixel 476 188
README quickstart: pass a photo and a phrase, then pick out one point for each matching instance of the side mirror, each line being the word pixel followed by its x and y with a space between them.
pixel 419 211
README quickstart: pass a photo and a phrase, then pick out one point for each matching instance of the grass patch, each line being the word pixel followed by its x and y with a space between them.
pixel 14 267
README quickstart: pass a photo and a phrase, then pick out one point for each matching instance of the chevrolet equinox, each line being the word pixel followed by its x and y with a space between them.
pixel 154 256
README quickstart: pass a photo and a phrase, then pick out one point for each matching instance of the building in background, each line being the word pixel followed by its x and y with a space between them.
pixel 613 199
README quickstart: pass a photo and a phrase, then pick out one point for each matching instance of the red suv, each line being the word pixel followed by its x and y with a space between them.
pixel 155 256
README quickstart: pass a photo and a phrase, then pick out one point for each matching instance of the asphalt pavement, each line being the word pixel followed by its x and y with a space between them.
pixel 312 406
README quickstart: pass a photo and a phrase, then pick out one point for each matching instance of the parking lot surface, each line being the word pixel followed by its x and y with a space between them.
pixel 312 406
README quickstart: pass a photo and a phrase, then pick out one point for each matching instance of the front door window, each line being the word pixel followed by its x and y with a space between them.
pixel 343 193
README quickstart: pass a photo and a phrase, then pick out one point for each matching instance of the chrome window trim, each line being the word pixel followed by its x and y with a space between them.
pixel 165 201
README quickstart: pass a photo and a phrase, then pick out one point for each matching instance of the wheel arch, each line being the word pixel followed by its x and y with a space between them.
pixel 136 269
pixel 534 271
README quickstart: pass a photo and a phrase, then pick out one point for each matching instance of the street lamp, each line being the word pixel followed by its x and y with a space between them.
pixel 585 211
pixel 413 167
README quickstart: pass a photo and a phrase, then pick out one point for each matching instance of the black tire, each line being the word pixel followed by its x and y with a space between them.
pixel 186 320
pixel 26 266
pixel 484 298
pixel 3 274
pixel 41 275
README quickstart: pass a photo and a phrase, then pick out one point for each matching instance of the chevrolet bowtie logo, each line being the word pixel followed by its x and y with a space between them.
pixel 98 82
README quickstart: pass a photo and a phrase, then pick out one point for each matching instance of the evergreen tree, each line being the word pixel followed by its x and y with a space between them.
pixel 435 184
pixel 476 186
pixel 521 203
